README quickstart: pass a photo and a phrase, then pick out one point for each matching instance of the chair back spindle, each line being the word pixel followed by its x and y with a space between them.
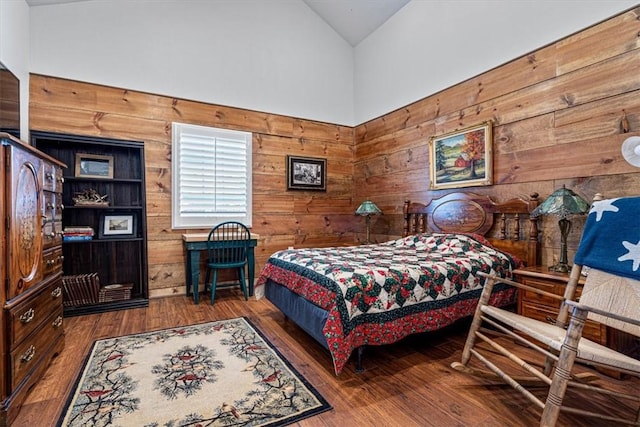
pixel 227 248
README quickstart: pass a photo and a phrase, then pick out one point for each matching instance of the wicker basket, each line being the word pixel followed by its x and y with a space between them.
pixel 115 292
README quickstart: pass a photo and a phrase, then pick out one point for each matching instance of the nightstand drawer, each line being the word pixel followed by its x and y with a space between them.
pixel 592 330
pixel 550 287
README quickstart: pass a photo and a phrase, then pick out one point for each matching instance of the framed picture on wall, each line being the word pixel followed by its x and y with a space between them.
pixel 306 173
pixel 94 166
pixel 462 158
pixel 113 226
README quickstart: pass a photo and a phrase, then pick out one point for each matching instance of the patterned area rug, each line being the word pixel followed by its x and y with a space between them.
pixel 221 373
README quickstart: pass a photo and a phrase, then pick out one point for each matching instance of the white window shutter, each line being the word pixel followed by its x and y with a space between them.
pixel 211 176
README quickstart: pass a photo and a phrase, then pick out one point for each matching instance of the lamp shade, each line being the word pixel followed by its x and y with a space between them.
pixel 368 208
pixel 631 150
pixel 563 203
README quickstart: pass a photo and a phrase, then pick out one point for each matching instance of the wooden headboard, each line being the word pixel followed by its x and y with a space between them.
pixel 515 230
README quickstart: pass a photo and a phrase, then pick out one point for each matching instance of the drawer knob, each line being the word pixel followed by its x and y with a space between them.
pixel 56 292
pixel 27 316
pixel 29 354
pixel 49 176
pixel 57 323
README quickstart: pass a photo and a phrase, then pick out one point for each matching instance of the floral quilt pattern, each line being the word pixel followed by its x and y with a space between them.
pixel 378 294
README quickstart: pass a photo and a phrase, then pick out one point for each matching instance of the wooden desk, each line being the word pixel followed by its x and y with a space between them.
pixel 196 242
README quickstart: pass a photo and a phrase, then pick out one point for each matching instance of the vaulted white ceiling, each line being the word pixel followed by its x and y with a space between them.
pixel 354 20
pixel 394 51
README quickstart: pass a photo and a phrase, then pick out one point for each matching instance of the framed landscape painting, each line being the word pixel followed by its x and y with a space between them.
pixel 117 226
pixel 462 158
pixel 94 166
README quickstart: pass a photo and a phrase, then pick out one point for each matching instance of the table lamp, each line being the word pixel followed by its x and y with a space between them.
pixel 562 203
pixel 366 209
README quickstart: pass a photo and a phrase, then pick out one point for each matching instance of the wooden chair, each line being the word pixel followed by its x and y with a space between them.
pixel 227 248
pixel 611 298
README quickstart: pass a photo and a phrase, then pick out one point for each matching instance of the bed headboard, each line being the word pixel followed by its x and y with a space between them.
pixel 515 230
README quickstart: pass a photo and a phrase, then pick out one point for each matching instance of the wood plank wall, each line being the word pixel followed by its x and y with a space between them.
pixel 282 218
pixel 560 116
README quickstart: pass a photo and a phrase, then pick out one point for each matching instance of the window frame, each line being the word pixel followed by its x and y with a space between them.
pixel 180 221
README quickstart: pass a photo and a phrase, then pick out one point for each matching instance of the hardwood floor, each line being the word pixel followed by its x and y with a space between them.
pixel 406 384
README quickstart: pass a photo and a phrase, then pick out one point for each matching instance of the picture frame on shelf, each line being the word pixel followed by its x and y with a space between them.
pixel 117 225
pixel 306 173
pixel 93 166
pixel 462 158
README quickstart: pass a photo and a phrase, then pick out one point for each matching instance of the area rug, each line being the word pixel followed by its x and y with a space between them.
pixel 221 373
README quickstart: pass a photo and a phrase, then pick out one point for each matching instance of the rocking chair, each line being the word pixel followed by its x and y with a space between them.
pixel 610 247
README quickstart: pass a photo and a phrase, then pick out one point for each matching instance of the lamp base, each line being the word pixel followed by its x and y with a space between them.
pixel 560 267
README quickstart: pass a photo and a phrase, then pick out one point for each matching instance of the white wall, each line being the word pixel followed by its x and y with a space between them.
pixel 431 45
pixel 14 51
pixel 275 56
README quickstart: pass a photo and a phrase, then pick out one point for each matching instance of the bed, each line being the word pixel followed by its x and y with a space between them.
pixel 347 298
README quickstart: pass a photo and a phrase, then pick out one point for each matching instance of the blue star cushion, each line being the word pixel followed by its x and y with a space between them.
pixel 611 238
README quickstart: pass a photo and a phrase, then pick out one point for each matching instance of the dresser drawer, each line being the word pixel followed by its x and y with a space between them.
pixel 28 354
pixel 592 330
pixel 28 315
pixel 52 206
pixel 52 261
pixel 52 177
pixel 51 234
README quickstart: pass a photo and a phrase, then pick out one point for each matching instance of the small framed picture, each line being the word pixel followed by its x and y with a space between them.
pixel 462 158
pixel 94 166
pixel 117 226
pixel 306 173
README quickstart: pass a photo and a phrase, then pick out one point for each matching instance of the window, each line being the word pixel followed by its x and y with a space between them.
pixel 211 170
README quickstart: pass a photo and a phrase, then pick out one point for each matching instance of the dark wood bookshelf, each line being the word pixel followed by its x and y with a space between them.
pixel 117 258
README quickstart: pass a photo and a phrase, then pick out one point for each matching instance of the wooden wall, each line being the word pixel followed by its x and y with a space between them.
pixel 282 218
pixel 560 116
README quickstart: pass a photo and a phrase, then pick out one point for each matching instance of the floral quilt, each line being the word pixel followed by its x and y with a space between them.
pixel 379 294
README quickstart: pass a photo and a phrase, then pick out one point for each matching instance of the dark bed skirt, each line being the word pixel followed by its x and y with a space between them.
pixel 305 314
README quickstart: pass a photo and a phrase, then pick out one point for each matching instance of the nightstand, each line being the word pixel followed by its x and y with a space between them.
pixel 543 308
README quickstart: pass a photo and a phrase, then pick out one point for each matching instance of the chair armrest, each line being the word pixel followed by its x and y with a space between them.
pixel 521 286
pixel 625 319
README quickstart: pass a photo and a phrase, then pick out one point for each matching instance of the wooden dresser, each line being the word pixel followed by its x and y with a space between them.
pixel 31 268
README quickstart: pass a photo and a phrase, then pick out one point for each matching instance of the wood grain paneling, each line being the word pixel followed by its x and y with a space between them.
pixel 557 116
pixel 66 106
